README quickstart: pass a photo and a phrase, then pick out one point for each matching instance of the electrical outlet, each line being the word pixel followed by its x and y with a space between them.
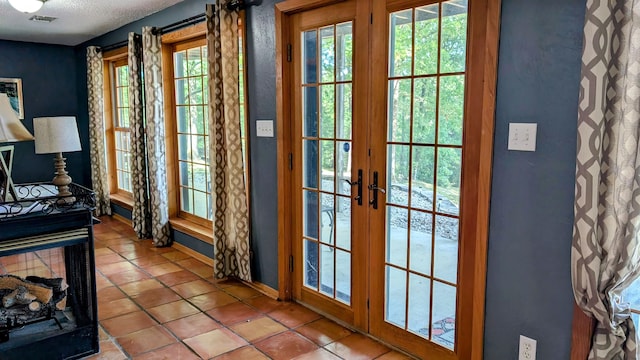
pixel 527 348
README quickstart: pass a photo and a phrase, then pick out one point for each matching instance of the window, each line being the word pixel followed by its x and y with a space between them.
pixel 117 125
pixel 188 138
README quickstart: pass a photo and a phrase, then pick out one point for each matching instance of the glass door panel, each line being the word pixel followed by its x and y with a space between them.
pixel 326 111
pixel 425 103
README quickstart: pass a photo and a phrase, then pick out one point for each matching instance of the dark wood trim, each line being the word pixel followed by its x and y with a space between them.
pixel 581 334
pixel 291 7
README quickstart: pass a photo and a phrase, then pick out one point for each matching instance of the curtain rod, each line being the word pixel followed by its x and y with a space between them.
pixel 232 5
pixel 104 49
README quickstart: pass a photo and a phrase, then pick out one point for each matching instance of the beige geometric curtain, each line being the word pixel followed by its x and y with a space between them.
pixel 605 256
pixel 99 176
pixel 154 114
pixel 140 214
pixel 231 216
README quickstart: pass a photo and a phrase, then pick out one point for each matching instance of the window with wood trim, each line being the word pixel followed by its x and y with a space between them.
pixel 188 129
pixel 118 133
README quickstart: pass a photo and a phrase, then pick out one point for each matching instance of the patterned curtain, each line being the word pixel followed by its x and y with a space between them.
pixel 99 177
pixel 605 254
pixel 231 216
pixel 141 214
pixel 152 54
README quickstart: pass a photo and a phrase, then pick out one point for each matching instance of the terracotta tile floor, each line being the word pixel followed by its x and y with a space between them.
pixel 159 303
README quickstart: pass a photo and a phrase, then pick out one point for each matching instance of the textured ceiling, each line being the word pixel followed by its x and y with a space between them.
pixel 77 20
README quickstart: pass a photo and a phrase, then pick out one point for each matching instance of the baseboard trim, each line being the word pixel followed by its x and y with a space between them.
pixel 258 286
pixel 196 255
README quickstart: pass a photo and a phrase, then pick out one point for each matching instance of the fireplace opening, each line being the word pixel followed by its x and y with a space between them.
pixel 47 299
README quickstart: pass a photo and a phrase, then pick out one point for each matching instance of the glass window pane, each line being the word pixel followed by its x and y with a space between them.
pixel 186 200
pixel 445 262
pixel 422 165
pixel 182 92
pixel 195 91
pixel 327 267
pixel 448 181
pixel 326 159
pixel 343 276
pixel 444 314
pixel 184 147
pixel 451 110
pixel 310 164
pixel 343 168
pixel 344 111
pixel 344 49
pixel 310 111
pixel 420 244
pixel 327 110
pixel 397 236
pixel 419 296
pixel 200 200
pixel 311 264
pixel 327 221
pixel 398 174
pixel 200 177
pixel 426 41
pixel 327 60
pixel 424 110
pixel 195 61
pixel 309 55
pixel 310 214
pixel 186 174
pixel 400 41
pixel 342 223
pixel 183 119
pixel 399 121
pixel 180 64
pixel 395 296
pixel 454 36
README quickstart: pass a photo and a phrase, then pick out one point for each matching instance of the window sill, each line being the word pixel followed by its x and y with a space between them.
pixel 197 231
pixel 122 200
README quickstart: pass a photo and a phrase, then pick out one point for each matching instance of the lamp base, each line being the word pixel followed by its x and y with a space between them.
pixel 62 180
pixel 7 189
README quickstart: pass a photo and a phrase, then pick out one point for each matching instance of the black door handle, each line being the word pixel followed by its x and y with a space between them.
pixel 358 197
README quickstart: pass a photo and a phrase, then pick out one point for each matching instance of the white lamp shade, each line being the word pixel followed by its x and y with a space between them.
pixel 56 134
pixel 26 6
pixel 11 128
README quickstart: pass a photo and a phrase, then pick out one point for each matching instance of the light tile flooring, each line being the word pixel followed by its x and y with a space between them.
pixel 159 303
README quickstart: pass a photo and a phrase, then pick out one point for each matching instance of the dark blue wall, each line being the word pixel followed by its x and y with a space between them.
pixel 48 76
pixel 529 276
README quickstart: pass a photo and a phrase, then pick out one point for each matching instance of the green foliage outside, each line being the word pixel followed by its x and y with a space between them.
pixel 447 98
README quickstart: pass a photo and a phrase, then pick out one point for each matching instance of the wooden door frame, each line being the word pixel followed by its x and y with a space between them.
pixel 481 82
pixel 284 73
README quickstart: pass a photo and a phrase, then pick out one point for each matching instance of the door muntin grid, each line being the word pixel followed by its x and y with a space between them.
pixel 427 54
pixel 326 89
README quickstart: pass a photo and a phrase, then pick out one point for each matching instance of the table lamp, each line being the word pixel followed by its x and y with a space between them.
pixel 11 130
pixel 55 135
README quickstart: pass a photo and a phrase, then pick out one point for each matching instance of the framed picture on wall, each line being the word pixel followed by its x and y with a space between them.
pixel 13 89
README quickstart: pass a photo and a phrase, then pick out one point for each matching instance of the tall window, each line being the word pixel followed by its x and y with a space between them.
pixel 191 100
pixel 121 126
pixel 193 180
pixel 118 135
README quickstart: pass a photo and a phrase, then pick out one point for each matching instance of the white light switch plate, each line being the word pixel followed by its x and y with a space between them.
pixel 264 128
pixel 522 136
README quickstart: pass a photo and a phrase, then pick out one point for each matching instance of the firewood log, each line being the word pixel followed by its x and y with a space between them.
pixel 41 292
pixel 19 296
pixel 35 306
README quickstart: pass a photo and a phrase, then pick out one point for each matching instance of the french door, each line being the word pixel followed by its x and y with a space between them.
pixel 383 177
